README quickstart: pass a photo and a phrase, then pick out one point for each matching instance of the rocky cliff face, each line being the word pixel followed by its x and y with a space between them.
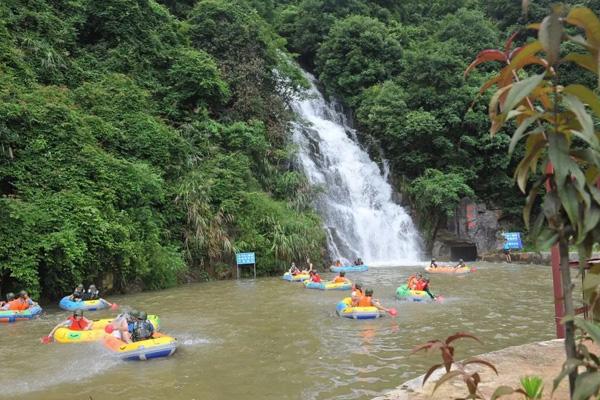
pixel 473 231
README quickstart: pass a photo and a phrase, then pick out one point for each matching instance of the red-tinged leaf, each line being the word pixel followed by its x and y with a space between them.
pixel 486 56
pixel 448 358
pixel 489 84
pixel 514 52
pixel 502 391
pixel 431 371
pixel 427 346
pixel 528 50
pixel 550 35
pixel 480 361
pixel 446 377
pixel 529 162
pixel 509 42
pixel 461 335
pixel 585 18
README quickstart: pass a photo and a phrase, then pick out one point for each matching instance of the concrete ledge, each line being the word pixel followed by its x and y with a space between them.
pixel 543 359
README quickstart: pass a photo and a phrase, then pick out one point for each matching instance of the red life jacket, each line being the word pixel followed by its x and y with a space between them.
pixel 421 285
pixel 77 324
pixel 316 278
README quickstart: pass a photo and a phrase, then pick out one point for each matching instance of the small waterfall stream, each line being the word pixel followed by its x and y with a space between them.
pixel 356 204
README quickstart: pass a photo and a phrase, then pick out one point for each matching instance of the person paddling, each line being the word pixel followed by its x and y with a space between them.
pixel 76 322
pixel 433 263
pixel 368 301
pixel 461 264
pixel 341 278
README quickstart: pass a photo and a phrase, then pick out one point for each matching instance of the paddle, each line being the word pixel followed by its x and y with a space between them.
pixel 439 299
pixel 46 339
pixel 392 312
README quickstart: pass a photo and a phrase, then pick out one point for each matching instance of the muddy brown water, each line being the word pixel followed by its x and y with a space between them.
pixel 270 339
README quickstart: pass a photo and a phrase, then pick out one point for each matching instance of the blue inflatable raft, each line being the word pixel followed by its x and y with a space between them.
pixel 350 268
pixel 86 305
pixel 13 316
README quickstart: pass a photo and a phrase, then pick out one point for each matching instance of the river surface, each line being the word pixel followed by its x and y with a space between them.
pixel 270 339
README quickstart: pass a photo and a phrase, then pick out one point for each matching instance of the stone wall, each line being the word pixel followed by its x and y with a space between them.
pixel 475 223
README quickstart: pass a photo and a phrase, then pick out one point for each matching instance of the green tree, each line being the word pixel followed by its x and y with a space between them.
pixel 436 195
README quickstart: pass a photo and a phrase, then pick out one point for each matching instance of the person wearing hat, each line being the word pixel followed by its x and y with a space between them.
pixel 433 263
pixel 142 328
pixel 78 293
pixel 461 264
pixel 9 297
pixel 21 303
pixel 123 325
pixel 76 322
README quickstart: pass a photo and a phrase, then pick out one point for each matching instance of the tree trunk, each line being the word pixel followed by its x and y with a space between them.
pixel 567 289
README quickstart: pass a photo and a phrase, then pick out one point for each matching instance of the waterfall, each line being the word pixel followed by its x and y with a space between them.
pixel 361 219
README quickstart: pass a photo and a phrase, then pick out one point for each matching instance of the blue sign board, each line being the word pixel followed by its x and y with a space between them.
pixel 513 240
pixel 245 258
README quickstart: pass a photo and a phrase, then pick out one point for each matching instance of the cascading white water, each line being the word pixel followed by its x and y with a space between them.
pixel 356 204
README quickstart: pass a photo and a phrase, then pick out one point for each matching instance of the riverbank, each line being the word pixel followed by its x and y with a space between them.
pixel 529 257
pixel 543 359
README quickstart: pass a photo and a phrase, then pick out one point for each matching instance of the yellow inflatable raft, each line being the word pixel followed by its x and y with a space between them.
pixel 159 346
pixel 66 335
pixel 344 309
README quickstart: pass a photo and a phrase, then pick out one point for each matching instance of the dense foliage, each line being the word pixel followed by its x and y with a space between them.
pixel 399 66
pixel 141 143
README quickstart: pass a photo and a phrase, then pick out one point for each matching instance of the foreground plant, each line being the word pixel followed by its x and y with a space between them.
pixel 562 146
pixel 532 387
pixel 471 380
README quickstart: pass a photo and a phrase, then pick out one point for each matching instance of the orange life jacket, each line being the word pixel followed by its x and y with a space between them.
pixel 78 324
pixel 18 305
pixel 365 301
pixel 339 279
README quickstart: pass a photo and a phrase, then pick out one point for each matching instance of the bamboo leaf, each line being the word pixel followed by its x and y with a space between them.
pixel 550 36
pixel 520 90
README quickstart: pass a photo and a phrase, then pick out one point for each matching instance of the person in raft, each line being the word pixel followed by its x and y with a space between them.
pixel 413 280
pixel 341 278
pixel 142 328
pixel 123 325
pixel 461 264
pixel 20 303
pixel 337 263
pixel 433 263
pixel 94 294
pixel 423 284
pixel 357 294
pixel 9 297
pixel 315 277
pixel 76 322
pixel 368 301
pixel 78 293
pixel 294 270
pixel 310 267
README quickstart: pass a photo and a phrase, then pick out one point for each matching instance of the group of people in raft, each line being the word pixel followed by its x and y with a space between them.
pixel 359 297
pixel 19 302
pixel 130 326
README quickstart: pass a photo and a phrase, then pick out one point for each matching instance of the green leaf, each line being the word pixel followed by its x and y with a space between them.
pixel 446 377
pixel 520 132
pixel 550 35
pixel 586 95
pixel 587 384
pixel 520 90
pixel 531 197
pixel 502 391
pixel 587 125
pixel 568 198
pixel 569 366
pixel 591 328
pixel 558 151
